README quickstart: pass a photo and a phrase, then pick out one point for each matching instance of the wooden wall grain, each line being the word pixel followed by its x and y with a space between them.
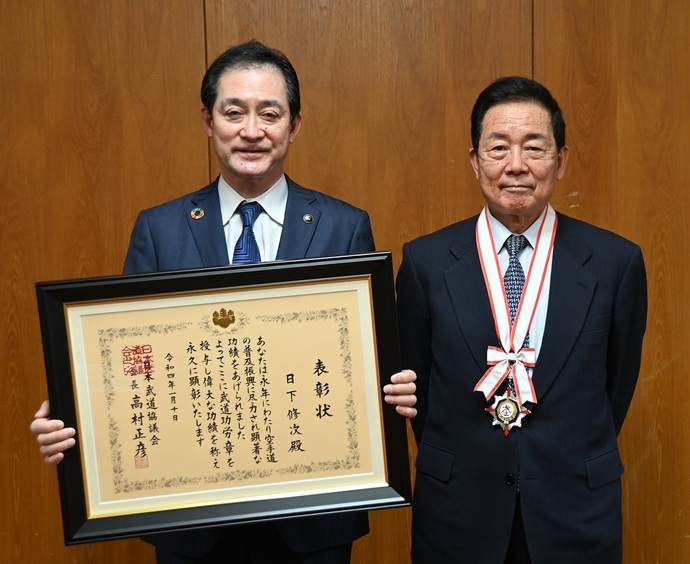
pixel 99 117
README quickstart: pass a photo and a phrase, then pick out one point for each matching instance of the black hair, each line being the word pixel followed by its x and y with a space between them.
pixel 252 54
pixel 516 89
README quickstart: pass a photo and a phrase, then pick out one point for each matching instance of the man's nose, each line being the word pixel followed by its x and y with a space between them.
pixel 252 127
pixel 516 159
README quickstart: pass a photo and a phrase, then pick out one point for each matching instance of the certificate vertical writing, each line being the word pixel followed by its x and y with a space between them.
pixel 226 395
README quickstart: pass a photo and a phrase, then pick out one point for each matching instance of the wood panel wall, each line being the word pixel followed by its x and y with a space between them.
pixel 99 118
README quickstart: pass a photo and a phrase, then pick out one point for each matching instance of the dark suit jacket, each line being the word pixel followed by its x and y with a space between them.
pixel 166 237
pixel 565 458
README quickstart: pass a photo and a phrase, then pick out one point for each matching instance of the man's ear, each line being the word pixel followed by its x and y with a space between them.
pixel 474 162
pixel 562 161
pixel 295 126
pixel 207 121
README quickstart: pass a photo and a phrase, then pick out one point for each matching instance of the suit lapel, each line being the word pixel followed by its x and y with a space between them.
pixel 302 215
pixel 207 231
pixel 570 295
pixel 571 292
pixel 467 291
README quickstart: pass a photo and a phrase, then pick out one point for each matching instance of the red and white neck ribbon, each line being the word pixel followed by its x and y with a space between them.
pixel 512 359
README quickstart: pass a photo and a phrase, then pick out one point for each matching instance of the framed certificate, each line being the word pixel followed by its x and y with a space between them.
pixel 221 396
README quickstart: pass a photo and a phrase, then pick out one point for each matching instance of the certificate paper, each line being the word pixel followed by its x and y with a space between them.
pixel 253 400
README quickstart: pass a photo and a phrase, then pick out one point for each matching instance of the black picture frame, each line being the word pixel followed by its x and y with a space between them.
pixel 370 274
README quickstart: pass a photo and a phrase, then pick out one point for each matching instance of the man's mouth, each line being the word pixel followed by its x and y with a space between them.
pixel 251 151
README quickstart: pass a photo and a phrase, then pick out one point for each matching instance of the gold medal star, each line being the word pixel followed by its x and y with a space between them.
pixel 507 412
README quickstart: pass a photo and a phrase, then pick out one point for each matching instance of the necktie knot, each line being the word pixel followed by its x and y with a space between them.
pixel 514 244
pixel 249 212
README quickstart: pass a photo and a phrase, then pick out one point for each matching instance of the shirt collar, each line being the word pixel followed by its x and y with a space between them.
pixel 273 200
pixel 501 233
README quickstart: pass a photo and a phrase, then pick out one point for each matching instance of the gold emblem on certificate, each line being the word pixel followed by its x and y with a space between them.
pixel 507 412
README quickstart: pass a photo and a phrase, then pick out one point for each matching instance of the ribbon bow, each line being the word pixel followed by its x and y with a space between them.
pixel 511 363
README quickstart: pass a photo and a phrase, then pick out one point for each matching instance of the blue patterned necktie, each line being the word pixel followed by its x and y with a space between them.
pixel 514 278
pixel 246 249
pixel 514 282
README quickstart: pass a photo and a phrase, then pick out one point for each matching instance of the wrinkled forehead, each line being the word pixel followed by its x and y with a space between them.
pixel 517 118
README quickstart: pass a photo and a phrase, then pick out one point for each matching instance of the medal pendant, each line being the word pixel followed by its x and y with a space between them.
pixel 507 412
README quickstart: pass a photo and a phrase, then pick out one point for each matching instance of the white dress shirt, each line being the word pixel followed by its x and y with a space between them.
pixel 268 225
pixel 500 234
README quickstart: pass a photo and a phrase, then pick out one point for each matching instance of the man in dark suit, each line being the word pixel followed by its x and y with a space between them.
pixel 526 352
pixel 251 114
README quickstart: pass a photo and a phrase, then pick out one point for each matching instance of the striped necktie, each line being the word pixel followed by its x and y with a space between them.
pixel 246 249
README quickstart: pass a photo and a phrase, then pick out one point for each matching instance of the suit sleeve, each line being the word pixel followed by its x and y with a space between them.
pixel 415 333
pixel 141 254
pixel 625 339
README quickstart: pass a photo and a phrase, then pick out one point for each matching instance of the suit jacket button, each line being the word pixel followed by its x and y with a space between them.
pixel 510 479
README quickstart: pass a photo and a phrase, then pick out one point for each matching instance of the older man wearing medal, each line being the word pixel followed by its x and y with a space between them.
pixel 523 328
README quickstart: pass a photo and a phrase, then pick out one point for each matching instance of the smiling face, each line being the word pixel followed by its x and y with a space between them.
pixel 517 162
pixel 250 128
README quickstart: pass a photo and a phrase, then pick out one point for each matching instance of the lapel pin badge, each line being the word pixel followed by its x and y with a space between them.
pixel 308 218
pixel 197 213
